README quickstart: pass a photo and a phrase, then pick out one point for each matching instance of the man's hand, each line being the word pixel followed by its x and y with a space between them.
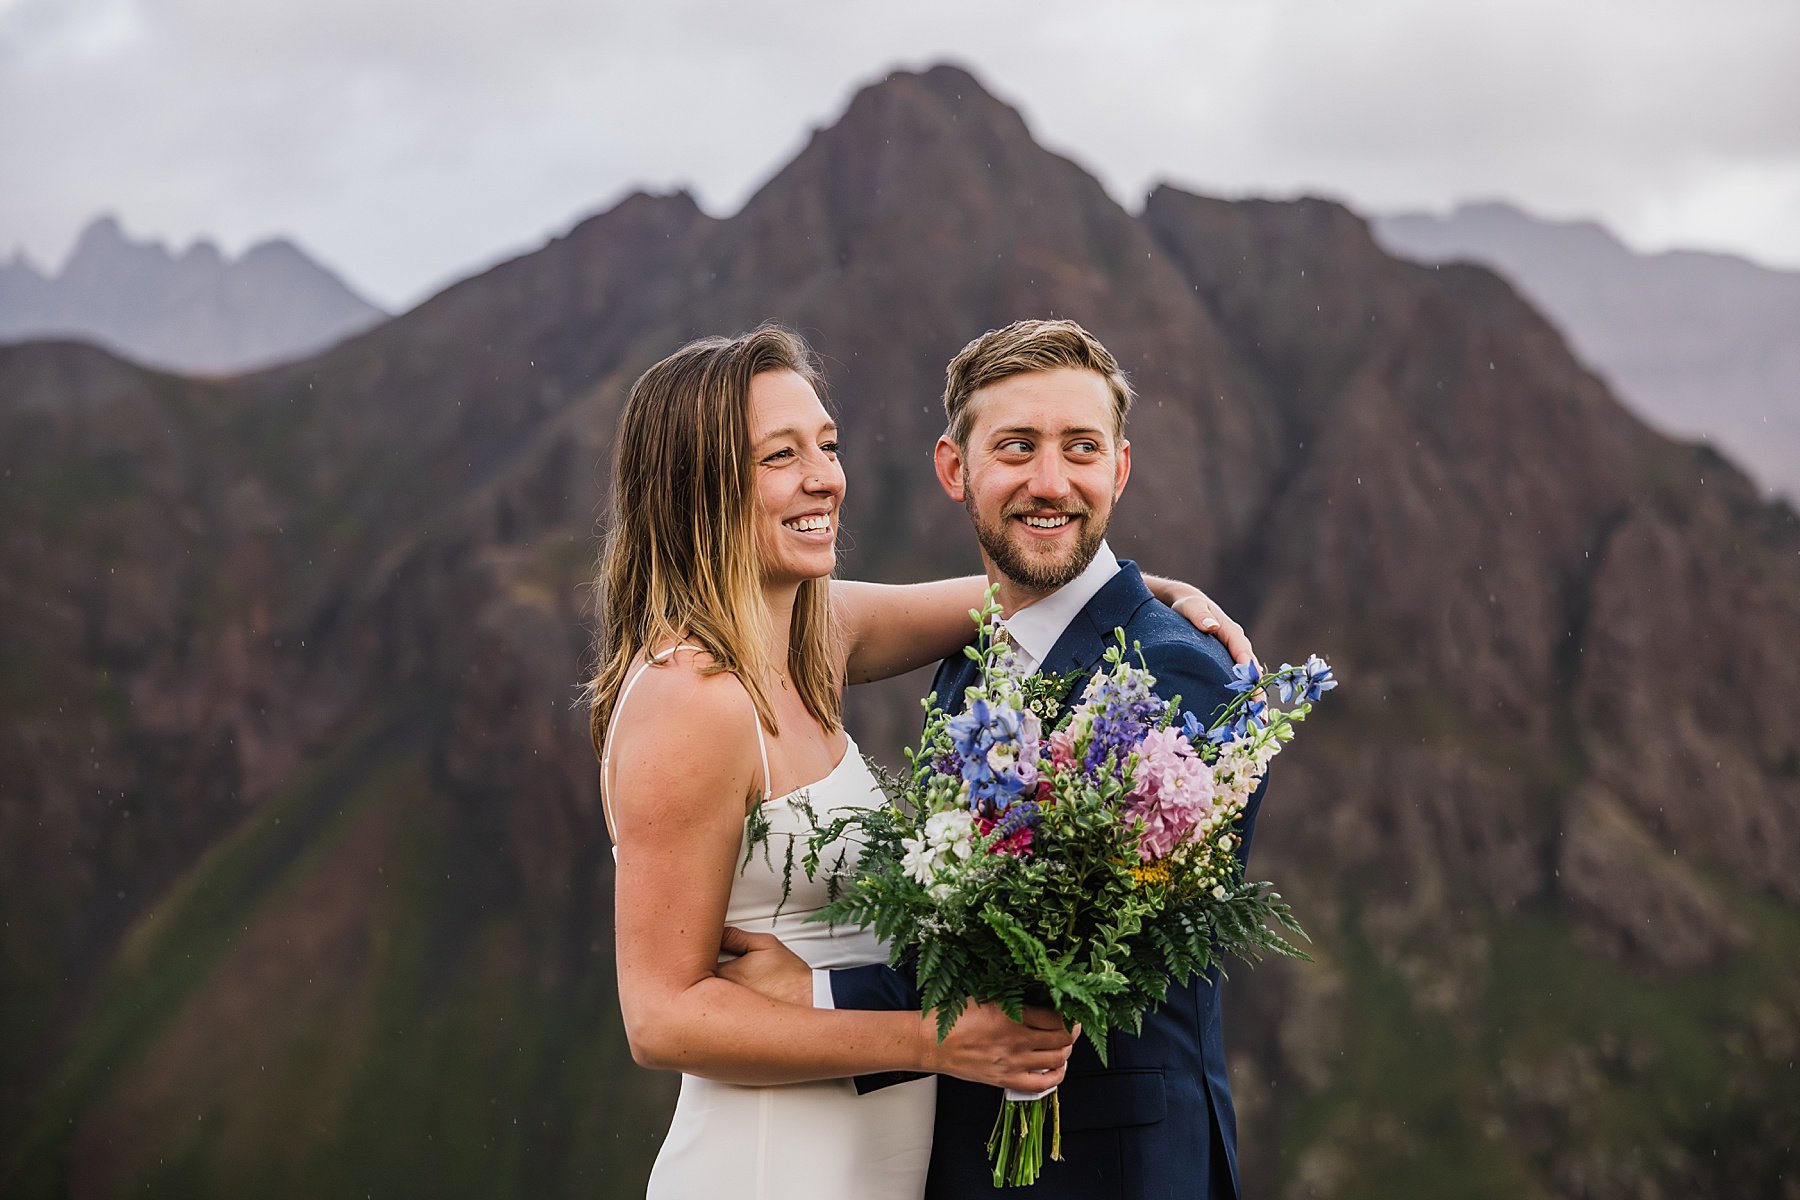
pixel 766 967
pixel 987 1046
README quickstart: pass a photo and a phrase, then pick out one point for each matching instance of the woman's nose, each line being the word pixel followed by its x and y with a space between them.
pixel 826 478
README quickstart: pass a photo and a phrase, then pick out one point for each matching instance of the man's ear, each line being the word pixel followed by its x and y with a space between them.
pixel 1123 471
pixel 948 460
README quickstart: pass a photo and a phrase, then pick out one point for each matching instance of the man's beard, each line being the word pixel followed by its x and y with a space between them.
pixel 1040 575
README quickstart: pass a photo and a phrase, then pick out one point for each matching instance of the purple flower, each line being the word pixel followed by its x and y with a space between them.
pixel 1115 712
pixel 1015 827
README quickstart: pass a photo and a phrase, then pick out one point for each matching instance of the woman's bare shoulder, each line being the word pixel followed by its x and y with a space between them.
pixel 677 703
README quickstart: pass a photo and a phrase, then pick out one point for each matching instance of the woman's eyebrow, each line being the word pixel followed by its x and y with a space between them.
pixel 794 432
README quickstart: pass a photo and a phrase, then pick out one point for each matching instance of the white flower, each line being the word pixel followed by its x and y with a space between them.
pixel 921 860
pixel 945 840
pixel 946 829
pixel 1219 892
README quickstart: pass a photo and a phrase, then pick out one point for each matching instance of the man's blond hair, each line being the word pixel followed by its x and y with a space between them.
pixel 1024 348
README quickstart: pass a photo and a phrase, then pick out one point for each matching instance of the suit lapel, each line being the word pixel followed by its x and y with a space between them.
pixel 954 678
pixel 1083 644
pixel 1076 653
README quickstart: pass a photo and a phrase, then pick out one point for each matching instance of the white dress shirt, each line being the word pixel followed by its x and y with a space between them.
pixel 1035 630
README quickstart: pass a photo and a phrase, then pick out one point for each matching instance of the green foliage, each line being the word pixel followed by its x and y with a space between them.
pixel 1081 924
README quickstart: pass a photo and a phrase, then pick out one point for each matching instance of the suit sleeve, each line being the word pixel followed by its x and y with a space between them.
pixel 875 988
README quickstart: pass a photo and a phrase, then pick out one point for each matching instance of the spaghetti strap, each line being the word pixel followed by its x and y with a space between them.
pixel 762 747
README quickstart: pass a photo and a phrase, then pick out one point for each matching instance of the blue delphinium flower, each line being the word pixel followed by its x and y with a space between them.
pixel 1319 679
pixel 966 728
pixel 998 748
pixel 1245 676
pixel 1285 683
pixel 1248 720
pixel 1256 715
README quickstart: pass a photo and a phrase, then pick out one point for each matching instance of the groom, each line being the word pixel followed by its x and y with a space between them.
pixel 1035 451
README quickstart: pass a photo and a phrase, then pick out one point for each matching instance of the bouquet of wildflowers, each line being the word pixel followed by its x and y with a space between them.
pixel 1079 857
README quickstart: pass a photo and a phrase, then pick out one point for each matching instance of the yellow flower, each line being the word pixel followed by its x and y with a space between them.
pixel 1156 872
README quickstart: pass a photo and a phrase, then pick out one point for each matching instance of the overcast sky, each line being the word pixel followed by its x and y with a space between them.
pixel 408 142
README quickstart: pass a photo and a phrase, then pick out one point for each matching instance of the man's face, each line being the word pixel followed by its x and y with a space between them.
pixel 1039 475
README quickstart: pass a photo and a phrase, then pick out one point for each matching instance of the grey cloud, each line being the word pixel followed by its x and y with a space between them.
pixel 409 139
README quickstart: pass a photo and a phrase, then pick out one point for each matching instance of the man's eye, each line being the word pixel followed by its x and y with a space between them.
pixel 1015 446
pixel 1086 447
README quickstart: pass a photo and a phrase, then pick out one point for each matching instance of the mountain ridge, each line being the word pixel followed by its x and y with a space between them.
pixel 1697 342
pixel 196 311
pixel 353 587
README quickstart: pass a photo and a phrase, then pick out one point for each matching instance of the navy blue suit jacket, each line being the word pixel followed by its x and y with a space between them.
pixel 1158 1121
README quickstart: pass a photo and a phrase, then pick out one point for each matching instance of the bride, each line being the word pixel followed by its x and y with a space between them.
pixel 724 648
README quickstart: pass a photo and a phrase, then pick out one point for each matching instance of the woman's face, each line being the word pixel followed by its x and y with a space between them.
pixel 799 482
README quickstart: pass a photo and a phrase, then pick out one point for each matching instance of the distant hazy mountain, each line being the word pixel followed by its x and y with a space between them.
pixel 1703 345
pixel 193 311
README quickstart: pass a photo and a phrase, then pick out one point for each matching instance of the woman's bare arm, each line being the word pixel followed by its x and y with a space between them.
pixel 679 795
pixel 893 628
pixel 890 629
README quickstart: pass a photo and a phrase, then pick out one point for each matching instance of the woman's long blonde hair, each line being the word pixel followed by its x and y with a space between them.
pixel 680 559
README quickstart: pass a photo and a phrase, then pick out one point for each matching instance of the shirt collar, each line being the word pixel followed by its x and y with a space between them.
pixel 1036 628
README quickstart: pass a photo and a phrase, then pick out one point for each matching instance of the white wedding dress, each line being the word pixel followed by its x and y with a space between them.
pixel 800 1140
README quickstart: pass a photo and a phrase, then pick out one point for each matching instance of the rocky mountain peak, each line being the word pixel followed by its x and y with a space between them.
pixel 1699 343
pixel 202 255
pixel 198 310
pixel 942 95
pixel 102 233
pixel 103 252
pixel 928 150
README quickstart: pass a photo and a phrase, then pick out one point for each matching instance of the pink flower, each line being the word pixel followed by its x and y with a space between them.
pixel 1172 792
pixel 1062 749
